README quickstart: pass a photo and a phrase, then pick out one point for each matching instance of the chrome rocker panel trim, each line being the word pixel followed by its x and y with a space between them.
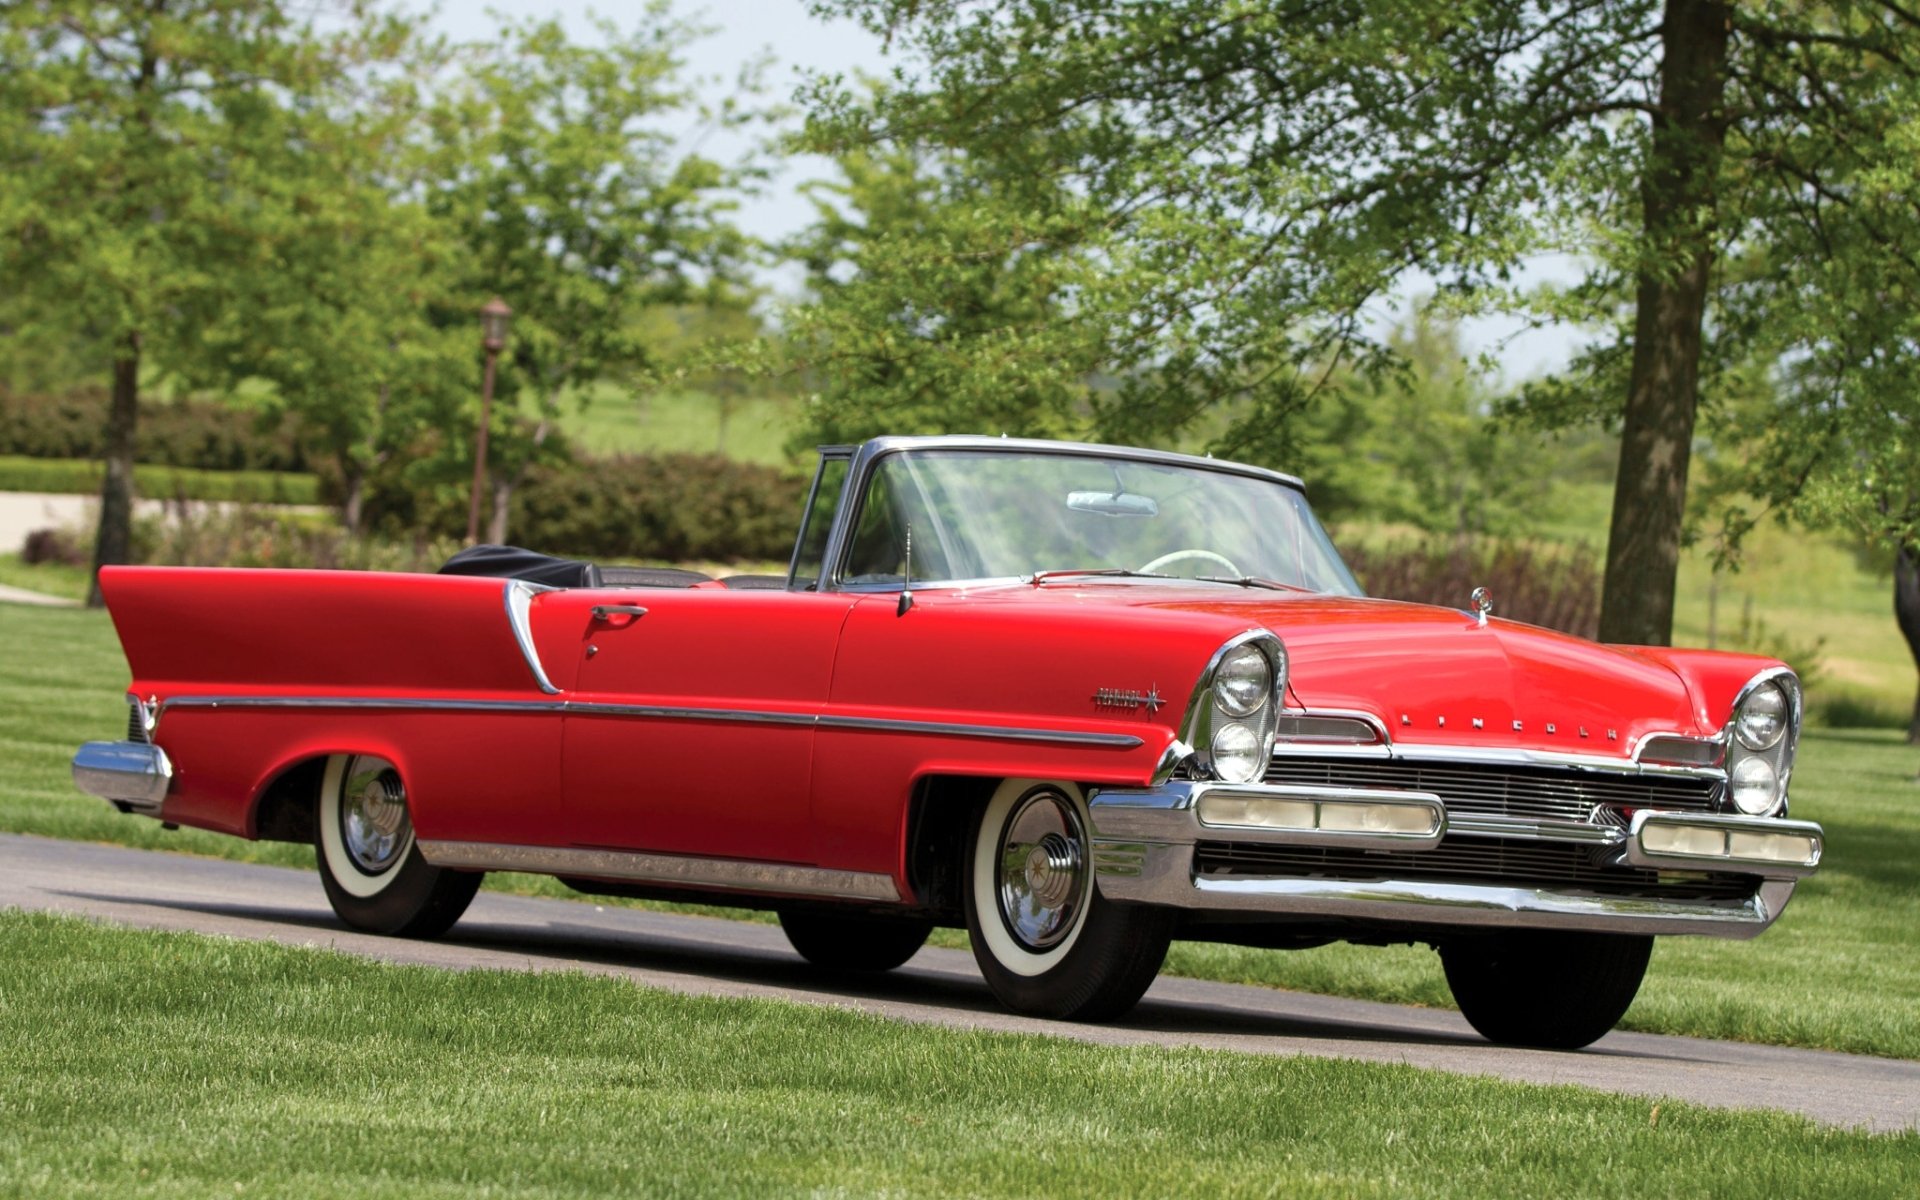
pixel 1143 847
pixel 135 774
pixel 783 879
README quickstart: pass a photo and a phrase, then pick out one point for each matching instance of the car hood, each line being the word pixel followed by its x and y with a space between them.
pixel 1438 676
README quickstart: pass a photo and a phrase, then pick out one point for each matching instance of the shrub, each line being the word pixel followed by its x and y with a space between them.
pixel 184 433
pixel 61 546
pixel 669 507
pixel 242 536
pixel 1551 585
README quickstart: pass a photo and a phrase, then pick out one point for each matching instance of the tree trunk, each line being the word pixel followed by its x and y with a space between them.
pixel 113 543
pixel 353 481
pixel 1906 610
pixel 1677 197
pixel 497 523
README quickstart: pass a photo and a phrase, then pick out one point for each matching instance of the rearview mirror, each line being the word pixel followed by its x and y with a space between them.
pixel 1113 504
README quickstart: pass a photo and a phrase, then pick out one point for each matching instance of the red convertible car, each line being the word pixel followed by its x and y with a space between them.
pixel 1077 699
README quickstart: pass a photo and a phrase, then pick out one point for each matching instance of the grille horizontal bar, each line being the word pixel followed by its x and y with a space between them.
pixel 1534 793
pixel 1466 860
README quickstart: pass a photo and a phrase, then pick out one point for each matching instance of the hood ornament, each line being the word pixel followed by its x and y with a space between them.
pixel 1482 602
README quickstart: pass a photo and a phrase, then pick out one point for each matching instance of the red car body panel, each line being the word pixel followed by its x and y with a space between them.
pixel 1018 657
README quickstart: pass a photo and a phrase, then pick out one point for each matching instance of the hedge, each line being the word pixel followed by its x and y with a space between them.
pixel 185 433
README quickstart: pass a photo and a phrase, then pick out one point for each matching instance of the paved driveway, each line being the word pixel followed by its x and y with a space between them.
pixel 707 956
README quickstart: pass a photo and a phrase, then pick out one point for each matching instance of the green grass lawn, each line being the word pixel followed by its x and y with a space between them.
pixel 1838 971
pixel 135 1063
pixel 609 418
pixel 52 579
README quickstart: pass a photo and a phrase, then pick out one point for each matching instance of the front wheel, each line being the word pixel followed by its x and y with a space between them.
pixel 853 941
pixel 1554 991
pixel 372 869
pixel 1048 943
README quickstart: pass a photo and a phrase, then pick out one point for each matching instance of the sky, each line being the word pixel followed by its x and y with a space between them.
pixel 745 30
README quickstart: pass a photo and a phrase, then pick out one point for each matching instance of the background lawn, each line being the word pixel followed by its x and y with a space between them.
pixel 175 1065
pixel 1838 971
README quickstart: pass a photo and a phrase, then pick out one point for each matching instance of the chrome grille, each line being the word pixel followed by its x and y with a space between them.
pixel 1533 793
pixel 1467 860
pixel 136 728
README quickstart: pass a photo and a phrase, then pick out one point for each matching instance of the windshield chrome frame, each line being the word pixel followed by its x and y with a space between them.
pixel 867 456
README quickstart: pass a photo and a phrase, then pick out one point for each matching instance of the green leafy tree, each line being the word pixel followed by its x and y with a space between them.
pixel 558 169
pixel 147 152
pixel 1422 446
pixel 1265 170
pixel 944 297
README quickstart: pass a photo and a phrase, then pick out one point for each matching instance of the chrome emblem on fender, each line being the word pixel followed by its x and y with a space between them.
pixel 1128 698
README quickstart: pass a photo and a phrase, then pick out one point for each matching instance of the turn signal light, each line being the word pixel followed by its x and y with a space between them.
pixel 1272 812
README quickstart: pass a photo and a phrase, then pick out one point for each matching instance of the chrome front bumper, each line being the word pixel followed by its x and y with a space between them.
pixel 134 775
pixel 1143 848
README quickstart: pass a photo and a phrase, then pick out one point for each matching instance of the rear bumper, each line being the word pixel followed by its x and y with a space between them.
pixel 1144 852
pixel 134 775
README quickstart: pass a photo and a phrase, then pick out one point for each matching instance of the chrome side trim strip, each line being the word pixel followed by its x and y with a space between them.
pixel 519 595
pixel 393 703
pixel 1006 733
pixel 783 879
pixel 1062 737
pixel 131 773
pixel 593 708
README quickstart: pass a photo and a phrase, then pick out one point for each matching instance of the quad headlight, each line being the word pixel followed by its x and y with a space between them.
pixel 1765 727
pixel 1761 720
pixel 1243 681
pixel 1235 709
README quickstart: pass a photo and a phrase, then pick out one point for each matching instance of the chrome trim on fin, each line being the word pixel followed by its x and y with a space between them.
pixel 518 596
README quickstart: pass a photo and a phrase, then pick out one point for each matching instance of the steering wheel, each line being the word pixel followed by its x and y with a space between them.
pixel 1194 552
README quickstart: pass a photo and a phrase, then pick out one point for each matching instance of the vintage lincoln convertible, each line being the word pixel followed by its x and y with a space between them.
pixel 1079 700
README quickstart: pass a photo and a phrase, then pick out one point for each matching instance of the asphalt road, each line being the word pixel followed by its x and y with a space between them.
pixel 705 956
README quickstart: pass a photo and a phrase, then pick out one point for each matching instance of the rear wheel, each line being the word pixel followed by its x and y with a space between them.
pixel 1558 991
pixel 1047 941
pixel 370 865
pixel 853 942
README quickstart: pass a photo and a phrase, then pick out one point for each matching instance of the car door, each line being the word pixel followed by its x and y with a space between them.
pixel 690 728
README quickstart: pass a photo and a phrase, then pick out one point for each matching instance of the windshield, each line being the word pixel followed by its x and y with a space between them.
pixel 974 514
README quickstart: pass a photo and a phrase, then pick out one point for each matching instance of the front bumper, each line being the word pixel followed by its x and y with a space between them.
pixel 133 775
pixel 1144 852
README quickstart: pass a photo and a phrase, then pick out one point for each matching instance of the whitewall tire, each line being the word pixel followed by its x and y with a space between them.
pixel 370 865
pixel 1047 942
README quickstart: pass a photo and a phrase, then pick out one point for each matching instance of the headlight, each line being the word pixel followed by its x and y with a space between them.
pixel 1235 709
pixel 1760 739
pixel 1243 682
pixel 1762 719
pixel 1756 786
pixel 1238 754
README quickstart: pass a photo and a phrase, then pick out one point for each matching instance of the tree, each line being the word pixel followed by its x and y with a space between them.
pixel 147 151
pixel 553 168
pixel 1263 171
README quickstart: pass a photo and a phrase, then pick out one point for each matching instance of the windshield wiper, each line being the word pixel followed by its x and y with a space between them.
pixel 1251 581
pixel 1108 572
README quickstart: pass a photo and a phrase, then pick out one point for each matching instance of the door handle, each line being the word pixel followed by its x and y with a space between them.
pixel 602 611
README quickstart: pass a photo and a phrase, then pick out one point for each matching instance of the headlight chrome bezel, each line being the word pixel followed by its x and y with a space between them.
pixel 1211 711
pixel 1777 752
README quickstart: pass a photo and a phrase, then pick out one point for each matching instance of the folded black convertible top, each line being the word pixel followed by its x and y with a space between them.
pixel 513 562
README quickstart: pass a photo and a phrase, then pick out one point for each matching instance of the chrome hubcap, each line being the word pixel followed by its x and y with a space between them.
pixel 373 815
pixel 1043 874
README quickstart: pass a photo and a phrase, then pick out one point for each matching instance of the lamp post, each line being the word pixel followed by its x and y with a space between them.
pixel 494 316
